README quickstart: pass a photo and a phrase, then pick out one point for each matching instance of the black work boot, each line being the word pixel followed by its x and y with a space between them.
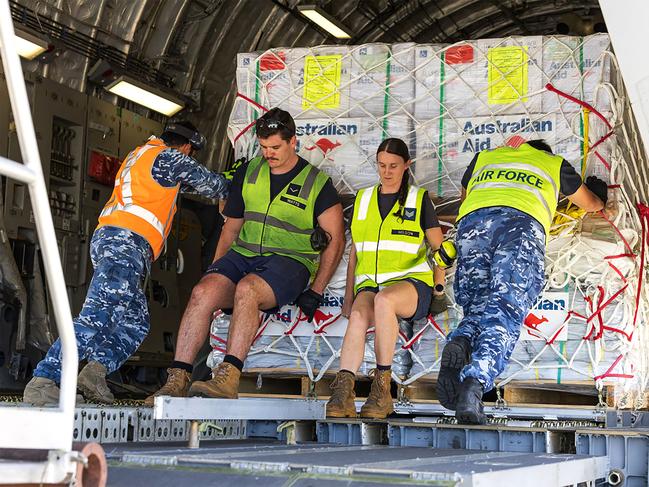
pixel 469 408
pixel 455 356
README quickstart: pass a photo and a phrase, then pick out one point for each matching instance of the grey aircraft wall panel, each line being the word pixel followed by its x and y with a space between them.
pixel 135 130
pixel 102 136
pixel 60 121
pixel 5 114
pixel 56 103
pixel 17 207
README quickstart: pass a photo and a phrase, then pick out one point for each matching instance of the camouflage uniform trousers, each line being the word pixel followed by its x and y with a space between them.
pixel 499 276
pixel 114 319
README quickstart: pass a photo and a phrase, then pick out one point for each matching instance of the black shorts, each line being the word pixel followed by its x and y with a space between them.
pixel 286 277
pixel 424 296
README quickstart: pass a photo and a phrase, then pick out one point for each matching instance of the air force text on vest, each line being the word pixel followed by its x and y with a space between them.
pixel 509 175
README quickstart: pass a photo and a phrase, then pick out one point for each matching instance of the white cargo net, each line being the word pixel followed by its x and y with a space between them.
pixel 448 102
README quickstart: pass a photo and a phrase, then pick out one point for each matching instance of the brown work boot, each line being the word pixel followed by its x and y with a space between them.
pixel 92 384
pixel 341 402
pixel 224 383
pixel 379 402
pixel 177 385
pixel 41 392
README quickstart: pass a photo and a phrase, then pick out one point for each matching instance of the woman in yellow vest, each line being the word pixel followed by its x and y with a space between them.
pixel 388 276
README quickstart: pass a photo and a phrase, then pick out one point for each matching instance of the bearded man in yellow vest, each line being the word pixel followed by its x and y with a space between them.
pixel 509 197
pixel 281 242
pixel 131 234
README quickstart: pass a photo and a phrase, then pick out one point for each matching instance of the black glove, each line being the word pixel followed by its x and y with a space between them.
pixel 309 301
pixel 598 187
pixel 438 304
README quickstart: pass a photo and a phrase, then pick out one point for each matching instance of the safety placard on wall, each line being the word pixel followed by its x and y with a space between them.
pixel 322 82
pixel 507 74
pixel 546 321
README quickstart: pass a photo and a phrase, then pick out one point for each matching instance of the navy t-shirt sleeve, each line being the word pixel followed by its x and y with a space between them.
pixel 469 171
pixel 570 181
pixel 327 197
pixel 234 206
pixel 428 214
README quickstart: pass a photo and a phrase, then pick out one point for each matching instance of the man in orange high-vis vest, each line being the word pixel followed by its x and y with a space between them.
pixel 131 234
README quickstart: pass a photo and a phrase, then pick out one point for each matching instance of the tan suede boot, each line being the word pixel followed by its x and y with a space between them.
pixel 177 385
pixel 379 403
pixel 41 392
pixel 341 402
pixel 92 384
pixel 224 383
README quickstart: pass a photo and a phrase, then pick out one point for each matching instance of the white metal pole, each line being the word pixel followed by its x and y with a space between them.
pixel 32 174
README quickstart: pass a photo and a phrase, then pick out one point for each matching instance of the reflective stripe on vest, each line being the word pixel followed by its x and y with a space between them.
pixel 523 178
pixel 149 204
pixel 389 249
pixel 390 276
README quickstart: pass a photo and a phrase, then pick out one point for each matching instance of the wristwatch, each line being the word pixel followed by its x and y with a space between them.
pixel 439 288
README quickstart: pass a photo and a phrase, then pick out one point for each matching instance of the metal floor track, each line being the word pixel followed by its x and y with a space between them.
pixel 246 462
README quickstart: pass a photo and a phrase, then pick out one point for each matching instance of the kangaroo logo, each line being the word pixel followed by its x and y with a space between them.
pixel 320 317
pixel 532 321
pixel 325 145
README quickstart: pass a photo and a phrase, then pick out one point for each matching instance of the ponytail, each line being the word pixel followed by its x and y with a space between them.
pixel 403 195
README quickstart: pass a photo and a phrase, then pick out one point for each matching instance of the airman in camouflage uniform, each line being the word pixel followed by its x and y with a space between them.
pixel 499 275
pixel 132 229
pixel 510 195
pixel 114 319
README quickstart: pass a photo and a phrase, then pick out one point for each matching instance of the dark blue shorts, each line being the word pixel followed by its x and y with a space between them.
pixel 286 277
pixel 424 296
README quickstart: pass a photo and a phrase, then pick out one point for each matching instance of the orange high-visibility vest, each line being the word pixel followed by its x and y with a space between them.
pixel 138 202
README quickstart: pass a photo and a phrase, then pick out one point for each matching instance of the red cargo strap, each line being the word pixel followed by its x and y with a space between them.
pixel 251 124
pixel 644 221
pixel 609 374
pixel 588 106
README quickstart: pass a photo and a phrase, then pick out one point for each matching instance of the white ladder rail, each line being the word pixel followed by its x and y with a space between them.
pixel 28 427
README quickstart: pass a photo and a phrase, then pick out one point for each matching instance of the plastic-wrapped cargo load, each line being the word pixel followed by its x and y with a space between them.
pixel 483 77
pixel 578 66
pixel 442 159
pixel 449 102
pixel 346 149
pixel 401 88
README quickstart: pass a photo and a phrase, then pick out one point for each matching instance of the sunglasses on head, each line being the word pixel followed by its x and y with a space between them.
pixel 270 124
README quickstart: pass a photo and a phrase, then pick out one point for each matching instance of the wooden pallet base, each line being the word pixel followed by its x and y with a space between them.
pixel 287 382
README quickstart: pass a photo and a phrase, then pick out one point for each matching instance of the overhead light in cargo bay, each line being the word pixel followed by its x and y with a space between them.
pixel 324 20
pixel 29 46
pixel 145 95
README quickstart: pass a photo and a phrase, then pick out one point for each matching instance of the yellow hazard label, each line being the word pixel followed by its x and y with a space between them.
pixel 322 82
pixel 507 74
